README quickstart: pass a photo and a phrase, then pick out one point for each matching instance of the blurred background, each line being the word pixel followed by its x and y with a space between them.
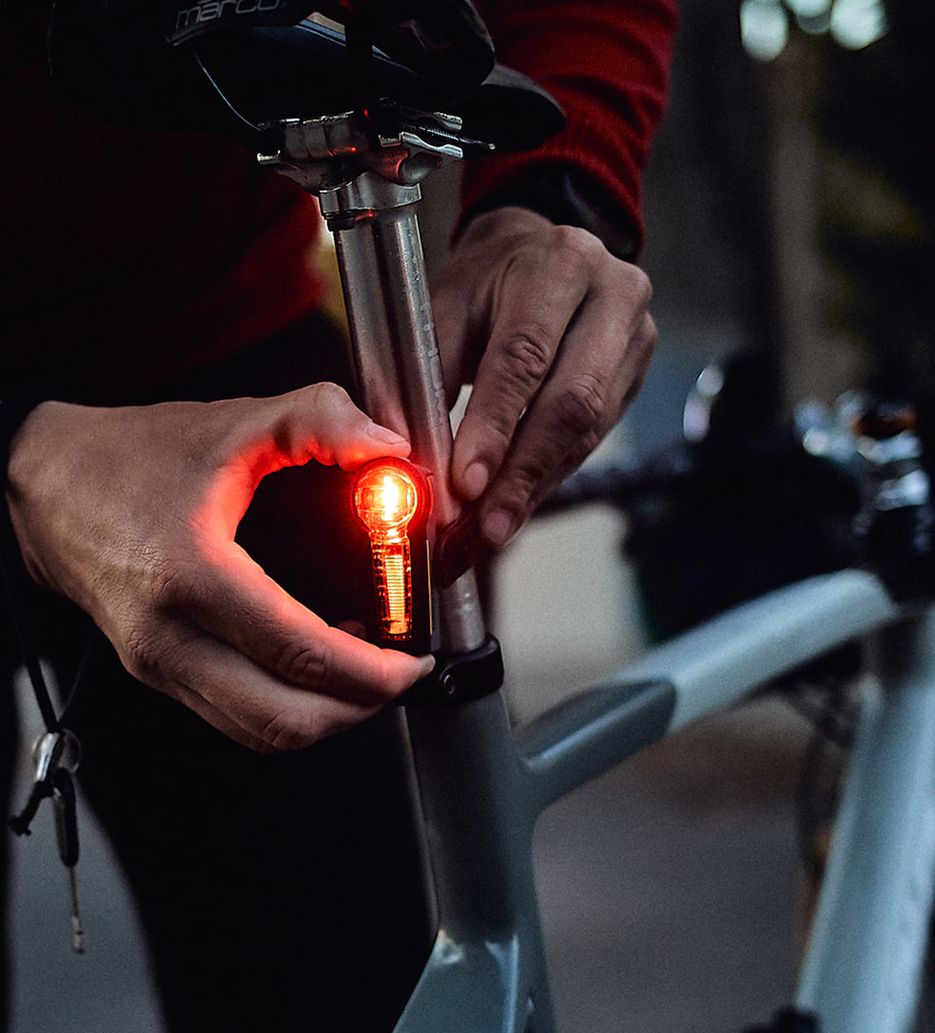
pixel 789 209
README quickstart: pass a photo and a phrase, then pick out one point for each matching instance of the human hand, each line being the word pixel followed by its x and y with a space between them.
pixel 556 335
pixel 131 513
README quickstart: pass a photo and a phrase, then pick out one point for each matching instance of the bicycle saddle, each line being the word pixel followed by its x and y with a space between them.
pixel 216 69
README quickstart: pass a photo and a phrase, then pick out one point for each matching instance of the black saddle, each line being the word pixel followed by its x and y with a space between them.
pixel 240 66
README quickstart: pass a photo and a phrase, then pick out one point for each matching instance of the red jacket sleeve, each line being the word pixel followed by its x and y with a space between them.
pixel 606 62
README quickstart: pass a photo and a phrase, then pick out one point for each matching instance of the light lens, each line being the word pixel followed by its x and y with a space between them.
pixel 386 498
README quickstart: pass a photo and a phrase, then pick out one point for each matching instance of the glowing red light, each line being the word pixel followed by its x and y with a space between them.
pixel 386 498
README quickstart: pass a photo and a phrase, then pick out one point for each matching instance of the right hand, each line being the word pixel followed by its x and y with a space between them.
pixel 131 513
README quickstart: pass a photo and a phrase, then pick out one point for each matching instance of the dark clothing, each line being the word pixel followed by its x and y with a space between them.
pixel 277 892
pixel 607 64
pixel 8 738
pixel 130 257
pixel 281 892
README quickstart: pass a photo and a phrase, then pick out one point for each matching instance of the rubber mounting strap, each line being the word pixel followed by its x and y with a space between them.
pixel 460 678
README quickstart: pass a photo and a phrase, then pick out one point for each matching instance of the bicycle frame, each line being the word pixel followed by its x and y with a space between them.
pixel 482 787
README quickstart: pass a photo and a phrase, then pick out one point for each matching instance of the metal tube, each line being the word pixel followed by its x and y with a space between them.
pixel 867 946
pixel 396 354
pixel 700 671
pixel 719 662
pixel 479 812
pixel 586 735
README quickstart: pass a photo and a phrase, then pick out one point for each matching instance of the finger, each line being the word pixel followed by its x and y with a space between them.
pixel 575 409
pixel 319 422
pixel 232 598
pixel 214 717
pixel 538 297
pixel 240 699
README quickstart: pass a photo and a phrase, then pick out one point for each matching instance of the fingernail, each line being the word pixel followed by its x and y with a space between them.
pixel 475 479
pixel 427 663
pixel 390 437
pixel 499 527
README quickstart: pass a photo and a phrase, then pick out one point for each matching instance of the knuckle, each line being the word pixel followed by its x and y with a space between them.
pixel 639 286
pixel 305 665
pixel 576 245
pixel 286 730
pixel 328 395
pixel 525 480
pixel 582 408
pixel 143 653
pixel 528 355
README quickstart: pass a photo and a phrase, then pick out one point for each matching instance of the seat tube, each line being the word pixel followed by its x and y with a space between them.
pixel 396 355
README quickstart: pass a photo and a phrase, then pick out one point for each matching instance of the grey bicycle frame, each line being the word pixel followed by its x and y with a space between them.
pixel 482 785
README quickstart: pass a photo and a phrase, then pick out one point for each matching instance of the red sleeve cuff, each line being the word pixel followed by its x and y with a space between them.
pixel 607 65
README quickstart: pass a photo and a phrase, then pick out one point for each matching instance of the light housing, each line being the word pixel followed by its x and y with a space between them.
pixel 391 498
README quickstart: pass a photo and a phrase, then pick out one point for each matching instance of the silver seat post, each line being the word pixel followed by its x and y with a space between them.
pixel 396 354
pixel 368 187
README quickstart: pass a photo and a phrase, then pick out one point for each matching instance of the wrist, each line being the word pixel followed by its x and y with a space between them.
pixel 23 461
pixel 24 431
pixel 14 413
pixel 502 222
pixel 564 196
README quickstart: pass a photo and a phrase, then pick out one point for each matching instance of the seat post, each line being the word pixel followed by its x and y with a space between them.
pixel 396 356
pixel 368 187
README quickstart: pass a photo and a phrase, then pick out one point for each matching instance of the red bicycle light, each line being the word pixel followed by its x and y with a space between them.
pixel 386 498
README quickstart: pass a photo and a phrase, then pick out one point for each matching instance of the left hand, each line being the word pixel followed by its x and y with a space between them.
pixel 556 335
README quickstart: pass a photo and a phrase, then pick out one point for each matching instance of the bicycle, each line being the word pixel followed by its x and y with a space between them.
pixel 481 787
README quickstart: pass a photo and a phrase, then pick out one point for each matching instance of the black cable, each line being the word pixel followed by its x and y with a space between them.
pixel 225 100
